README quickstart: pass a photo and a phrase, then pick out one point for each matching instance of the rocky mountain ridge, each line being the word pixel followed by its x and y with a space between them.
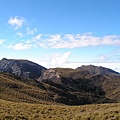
pixel 22 68
pixel 99 70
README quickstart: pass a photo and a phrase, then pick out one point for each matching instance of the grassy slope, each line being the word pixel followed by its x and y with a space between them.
pixel 27 111
pixel 22 90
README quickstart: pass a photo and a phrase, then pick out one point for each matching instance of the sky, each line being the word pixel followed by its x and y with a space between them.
pixel 61 33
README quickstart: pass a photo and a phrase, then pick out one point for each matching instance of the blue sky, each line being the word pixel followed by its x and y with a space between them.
pixel 61 33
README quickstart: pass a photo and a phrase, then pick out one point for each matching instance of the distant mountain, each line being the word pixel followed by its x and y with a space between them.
pixel 99 70
pixel 23 68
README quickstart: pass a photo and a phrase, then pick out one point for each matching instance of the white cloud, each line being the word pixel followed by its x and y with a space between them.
pixel 2 41
pixel 69 37
pixel 73 41
pixel 21 46
pixel 16 22
pixel 111 40
pixel 19 34
pixel 38 37
pixel 30 32
pixel 57 60
pixel 54 38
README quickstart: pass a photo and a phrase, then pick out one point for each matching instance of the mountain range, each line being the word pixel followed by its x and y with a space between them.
pixel 26 81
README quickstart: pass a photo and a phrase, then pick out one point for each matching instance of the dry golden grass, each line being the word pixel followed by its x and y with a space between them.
pixel 22 90
pixel 27 111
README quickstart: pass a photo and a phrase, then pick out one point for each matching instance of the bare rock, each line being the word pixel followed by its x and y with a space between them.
pixel 50 75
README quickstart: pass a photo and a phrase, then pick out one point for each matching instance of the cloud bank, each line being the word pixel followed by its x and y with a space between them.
pixel 76 41
pixel 58 41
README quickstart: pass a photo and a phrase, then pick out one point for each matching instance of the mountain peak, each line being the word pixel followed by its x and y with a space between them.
pixel 99 70
pixel 22 68
pixel 4 59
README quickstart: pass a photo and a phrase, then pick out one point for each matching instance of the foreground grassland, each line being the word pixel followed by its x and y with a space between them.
pixel 27 111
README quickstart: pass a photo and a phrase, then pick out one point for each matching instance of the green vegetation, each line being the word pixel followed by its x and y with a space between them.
pixel 27 111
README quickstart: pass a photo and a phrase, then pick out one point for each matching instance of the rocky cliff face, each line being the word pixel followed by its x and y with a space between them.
pixel 10 66
pixel 23 68
pixel 50 75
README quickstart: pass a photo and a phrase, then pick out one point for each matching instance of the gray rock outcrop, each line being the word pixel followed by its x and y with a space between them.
pixel 50 75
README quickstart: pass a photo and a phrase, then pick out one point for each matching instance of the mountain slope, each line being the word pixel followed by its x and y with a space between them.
pixel 14 88
pixel 86 87
pixel 70 92
pixel 99 70
pixel 23 68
